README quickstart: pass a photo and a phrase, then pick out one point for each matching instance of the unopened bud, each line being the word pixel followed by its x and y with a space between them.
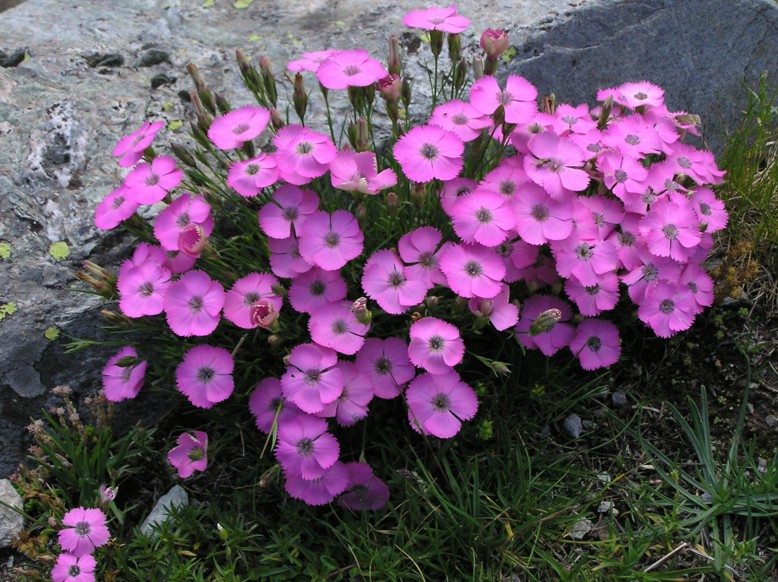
pixel 478 68
pixel 361 213
pixel 248 72
pixel 431 301
pixel 204 119
pixel 352 134
pixel 494 42
pixel 192 240
pixel 390 87
pixel 394 62
pixel 436 42
pixel 274 340
pixel 545 321
pixel 299 97
pixel 221 103
pixel 107 494
pixel 264 315
pixel 183 154
pixel 405 92
pixel 548 104
pixel 501 368
pixel 268 80
pixel 418 193
pixel 392 203
pixel 361 312
pixel 116 318
pixel 275 119
pixel 356 97
pixel 460 74
pixel 605 113
pixel 278 290
pixel 363 136
pixel 454 47
pixel 197 78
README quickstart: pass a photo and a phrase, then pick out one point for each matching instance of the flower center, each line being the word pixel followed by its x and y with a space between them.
pixel 667 306
pixel 152 180
pixel 339 327
pixel 351 70
pixel 584 251
pixel 593 290
pixel 332 239
pixel 459 119
pixel 291 213
pixel 195 304
pixel 570 120
pixel 195 454
pixel 205 374
pixel 146 289
pixel 705 209
pixel 304 147
pixel 251 298
pixel 621 176
pixel 505 98
pixel 183 219
pixel 383 365
pixel 441 402
pixel 594 344
pixel 312 377
pixel 240 128
pixel 626 239
pixel 426 260
pixel 396 279
pixel 483 215
pixel 650 272
pixel 540 212
pixel 507 188
pixel 436 343
pixel 473 269
pixel 74 571
pixel 684 163
pixel 118 201
pixel 429 152
pixel 641 96
pixel 316 288
pixel 632 139
pixel 671 231
pixel 252 169
pixel 82 528
pixel 305 447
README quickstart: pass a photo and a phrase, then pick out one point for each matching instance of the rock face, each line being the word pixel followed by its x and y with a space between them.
pixel 176 497
pixel 11 523
pixel 68 92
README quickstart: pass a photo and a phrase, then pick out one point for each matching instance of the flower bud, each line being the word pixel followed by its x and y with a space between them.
pixel 363 137
pixel 222 104
pixel 299 97
pixel 436 42
pixel 478 68
pixel 605 113
pixel 418 193
pixel 431 301
pixel 494 42
pixel 192 240
pixel 101 280
pixel 548 104
pixel 390 87
pixel 116 318
pixel 394 61
pixel 405 92
pixel 392 202
pixel 278 290
pixel 183 154
pixel 501 368
pixel 361 312
pixel 275 119
pixel 268 80
pixel 264 315
pixel 545 321
pixel 275 340
pixel 460 74
pixel 107 494
pixel 454 47
pixel 204 119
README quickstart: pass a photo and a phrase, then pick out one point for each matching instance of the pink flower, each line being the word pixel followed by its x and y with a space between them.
pixel 305 447
pixel 248 177
pixel 312 379
pixel 433 18
pixel 123 382
pixel 552 165
pixel 352 68
pixel 539 218
pixel 454 189
pixel 302 154
pixel 188 209
pixel 596 344
pixel 245 293
pixel 144 253
pixel 671 228
pixel 709 209
pixel 365 491
pixel 699 165
pixel 150 183
pixel 461 119
pixel 632 137
pixel 358 172
pixel 70 568
pixel 668 308
pixel 498 309
pixel 419 250
pixel 472 270
pixel 264 404
pixel 435 345
pixel 494 42
pixel 310 61
pixel 386 364
pixel 428 152
pixel 649 270
pixel 321 490
pixel 537 329
pixel 384 279
pixel 86 531
pixel 573 120
pixel 351 406
pixel 233 129
pixel 507 179
pixel 640 94
pixel 205 375
pixel 115 208
pixel 482 217
pixel 594 299
pixel 190 454
pixel 142 289
pixel 316 288
pixel 335 326
pixel 285 259
pixel 625 176
pixel 330 241
pixel 585 261
pixel 517 100
pixel 439 403
pixel 130 148
pixel 287 211
pixel 193 304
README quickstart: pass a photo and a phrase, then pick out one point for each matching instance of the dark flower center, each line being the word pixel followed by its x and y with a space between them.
pixel 383 365
pixel 332 239
pixel 426 260
pixel 459 119
pixel 570 120
pixel 251 298
pixel 205 374
pixel 621 176
pixel 429 152
pixel 118 201
pixel 626 239
pixel 305 447
pixel 684 163
pixel 584 251
pixel 507 188
pixel 252 169
pixel 146 289
pixel 667 306
pixel 593 290
pixel 483 215
pixel 670 231
pixel 705 209
pixel 436 343
pixel 473 269
pixel 441 402
pixel 396 279
pixel 505 98
pixel 641 96
pixel 183 219
pixel 304 147
pixel 632 139
pixel 316 288
pixel 540 212
pixel 152 180
pixel 351 70
pixel 74 571
pixel 339 327
pixel 312 376
pixel 650 272
pixel 240 128
pixel 195 304
pixel 82 528
pixel 594 344
pixel 291 213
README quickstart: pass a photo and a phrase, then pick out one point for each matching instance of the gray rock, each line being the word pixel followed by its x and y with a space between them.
pixel 619 399
pixel 770 420
pixel 573 425
pixel 177 496
pixel 11 523
pixel 580 529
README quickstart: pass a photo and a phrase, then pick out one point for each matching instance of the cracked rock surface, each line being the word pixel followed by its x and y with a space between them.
pixel 70 89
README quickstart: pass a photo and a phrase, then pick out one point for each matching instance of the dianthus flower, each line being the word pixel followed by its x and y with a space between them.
pixel 188 209
pixel 452 190
pixel 351 405
pixel 248 177
pixel 438 403
pixel 193 304
pixel 699 165
pixel 233 129
pixel 365 491
pixel 321 490
pixel 85 531
pixel 585 261
pixel 245 293
pixel 668 308
pixel 310 61
pixel 543 324
pixel 606 212
pixel 287 211
pixel 205 375
pixel 482 217
pixel 540 218
pixel 351 68
pixel 150 183
pixel 305 447
pixel 302 154
pixel 115 208
pixel 384 279
pixel 123 382
pixel 649 270
pixel 594 299
pixel 312 379
pixel 507 179
pixel 671 228
pixel 130 148
pixel 435 345
pixel 632 137
pixel 264 404
pixel 472 270
pixel 596 344
pixel 624 176
pixel 70 568
pixel 330 241
pixel 699 283
pixel 316 288
pixel 358 172
pixel 434 18
pixel 461 119
pixel 553 164
pixel 517 100
pixel 285 258
pixel 634 95
pixel 335 326
pixel 190 454
pixel 573 120
pixel 428 152
pixel 142 289
pixel 386 364
pixel 500 312
pixel 419 251
pixel 709 209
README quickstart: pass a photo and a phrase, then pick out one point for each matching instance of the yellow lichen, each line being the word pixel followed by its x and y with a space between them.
pixel 51 333
pixel 5 251
pixel 7 309
pixel 59 250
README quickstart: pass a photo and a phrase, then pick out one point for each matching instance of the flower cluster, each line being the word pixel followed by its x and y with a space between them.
pixel 85 531
pixel 539 219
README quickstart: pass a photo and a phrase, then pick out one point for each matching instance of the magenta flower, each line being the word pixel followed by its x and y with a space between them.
pixel 193 304
pixel 671 228
pixel 594 299
pixel 640 94
pixel 86 531
pixel 365 491
pixel 543 324
pixel 144 253
pixel 186 210
pixel 435 345
pixel 305 447
pixel 309 61
pixel 248 177
pixel 351 406
pixel 517 100
pixel 321 490
pixel 507 179
pixel 428 152
pixel 650 269
pixel 312 379
pixel 461 119
pixel 700 284
pixel 335 326
pixel 573 120
pixel 596 344
pixel 70 568
pixel 150 183
pixel 699 165
pixel 316 288
pixel 539 218
pixel 190 455
pixel 668 308
pixel 115 208
pixel 245 293
pixel 384 279
pixel 632 137
pixel 624 176
pixel 302 154
pixel 386 364
pixel 438 403
pixel 709 209
pixel 285 259
pixel 330 241
pixel 433 18
pixel 352 68
pixel 585 261
pixel 358 172
pixel 494 42
pixel 472 270
pixel 419 250
pixel 264 404
pixel 452 190
pixel 233 129
pixel 606 212
pixel 287 211
pixel 205 375
pixel 130 148
pixel 553 165
pixel 142 289
pixel 482 217
pixel 123 382
pixel 498 309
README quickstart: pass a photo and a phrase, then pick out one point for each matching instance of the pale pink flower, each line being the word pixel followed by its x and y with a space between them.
pixel 585 261
pixel 321 490
pixel 632 137
pixel 482 217
pixel 709 209
pixel 285 258
pixel 650 269
pixel 594 299
pixel 668 308
pixel 435 345
pixel 439 403
pixel 150 183
pixel 428 152
pixel 205 375
pixel 335 326
pixel 350 68
pixel 190 455
pixel 671 228
pixel 71 568
pixel 302 154
pixel 384 279
pixel 434 18
pixel 517 99
pixel 305 447
pixel 287 211
pixel 316 288
pixel 420 249
pixel 142 288
pixel 264 404
pixel 233 129
pixel 472 270
pixel 540 218
pixel 310 61
pixel 550 337
pixel 247 292
pixel 500 312
pixel 85 530
pixel 330 241
pixel 193 304
pixel 452 190
pixel 494 42
pixel 507 179
pixel 186 210
pixel 115 208
pixel 130 148
pixel 249 177
pixel 573 120
pixel 123 382
pixel 640 94
pixel 351 406
pixel 699 165
pixel 461 119
pixel 554 164
pixel 358 172
pixel 596 344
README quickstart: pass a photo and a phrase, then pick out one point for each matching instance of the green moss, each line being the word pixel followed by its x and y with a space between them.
pixel 508 55
pixel 208 3
pixel 255 38
pixel 5 251
pixel 59 250
pixel 51 333
pixel 241 4
pixel 7 309
pixel 175 124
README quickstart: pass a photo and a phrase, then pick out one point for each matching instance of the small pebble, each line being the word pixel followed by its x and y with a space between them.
pixel 606 507
pixel 761 465
pixel 580 529
pixel 770 420
pixel 604 478
pixel 13 59
pixel 619 399
pixel 161 79
pixel 750 408
pixel 574 425
pixel 707 497
pixel 153 57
